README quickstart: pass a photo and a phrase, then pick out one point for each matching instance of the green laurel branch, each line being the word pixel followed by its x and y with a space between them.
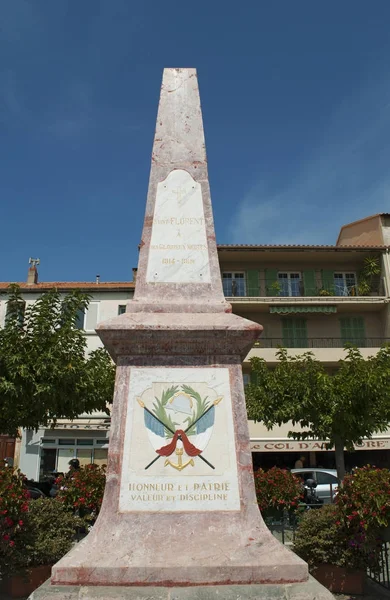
pixel 201 406
pixel 160 412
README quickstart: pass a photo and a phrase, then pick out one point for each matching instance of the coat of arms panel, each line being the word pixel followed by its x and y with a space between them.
pixel 179 448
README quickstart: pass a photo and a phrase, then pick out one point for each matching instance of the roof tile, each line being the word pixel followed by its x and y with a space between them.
pixel 70 285
pixel 296 246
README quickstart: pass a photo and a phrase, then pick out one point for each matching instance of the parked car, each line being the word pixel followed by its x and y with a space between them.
pixel 326 480
pixel 34 492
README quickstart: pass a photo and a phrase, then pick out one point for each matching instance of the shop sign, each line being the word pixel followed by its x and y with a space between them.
pixel 83 426
pixel 312 445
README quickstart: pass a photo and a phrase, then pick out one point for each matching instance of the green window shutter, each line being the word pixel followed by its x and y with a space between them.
pixel 288 327
pixel 294 333
pixel 300 333
pixel 344 329
pixel 253 377
pixel 271 277
pixel 353 331
pixel 359 332
pixel 288 333
pixel 309 283
pixel 328 281
pixel 253 283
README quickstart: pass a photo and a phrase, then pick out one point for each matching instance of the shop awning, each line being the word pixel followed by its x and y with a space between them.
pixel 293 310
pixel 84 424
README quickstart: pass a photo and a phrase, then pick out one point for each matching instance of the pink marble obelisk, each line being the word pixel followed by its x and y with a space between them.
pixel 180 506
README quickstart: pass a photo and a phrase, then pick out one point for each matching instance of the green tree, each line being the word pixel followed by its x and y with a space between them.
pixel 45 371
pixel 341 408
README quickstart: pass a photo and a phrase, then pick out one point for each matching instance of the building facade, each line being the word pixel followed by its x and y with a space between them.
pixel 308 298
pixel 317 299
pixel 300 318
pixel 39 453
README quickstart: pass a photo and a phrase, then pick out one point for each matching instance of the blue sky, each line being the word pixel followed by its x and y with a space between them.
pixel 296 107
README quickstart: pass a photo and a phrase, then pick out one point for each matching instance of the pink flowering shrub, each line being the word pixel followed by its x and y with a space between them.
pixel 323 537
pixel 32 532
pixel 277 489
pixel 348 533
pixel 83 490
pixel 14 502
pixel 364 499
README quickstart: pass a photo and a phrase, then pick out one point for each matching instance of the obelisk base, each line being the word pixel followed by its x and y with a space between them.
pixel 221 544
pixel 309 590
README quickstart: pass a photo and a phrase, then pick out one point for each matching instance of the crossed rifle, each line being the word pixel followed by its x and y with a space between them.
pixel 173 433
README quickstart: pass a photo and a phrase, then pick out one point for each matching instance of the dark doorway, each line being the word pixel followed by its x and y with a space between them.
pixel 7 447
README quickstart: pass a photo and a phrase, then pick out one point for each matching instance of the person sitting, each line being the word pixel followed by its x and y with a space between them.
pixel 300 463
pixel 74 465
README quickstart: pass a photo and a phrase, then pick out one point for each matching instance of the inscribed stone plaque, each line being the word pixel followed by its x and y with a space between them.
pixel 179 449
pixel 178 247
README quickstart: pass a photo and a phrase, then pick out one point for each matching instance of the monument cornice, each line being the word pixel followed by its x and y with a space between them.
pixel 133 334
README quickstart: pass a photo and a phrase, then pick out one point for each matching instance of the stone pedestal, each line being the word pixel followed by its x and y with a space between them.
pixel 160 525
pixel 180 507
pixel 310 590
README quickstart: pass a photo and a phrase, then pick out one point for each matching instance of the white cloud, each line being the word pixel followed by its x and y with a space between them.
pixel 347 177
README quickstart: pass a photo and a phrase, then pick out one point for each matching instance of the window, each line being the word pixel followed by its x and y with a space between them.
pixel 48 462
pixel 100 456
pixel 290 284
pixel 80 318
pixel 57 457
pixel 326 478
pixel 294 333
pixel 84 456
pixel 246 378
pixel 304 475
pixel 16 310
pixel 233 284
pixel 344 284
pixel 64 455
pixel 121 309
pixel 92 316
pixel 353 331
pixel 88 319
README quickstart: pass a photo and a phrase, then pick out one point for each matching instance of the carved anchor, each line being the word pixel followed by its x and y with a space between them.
pixel 179 465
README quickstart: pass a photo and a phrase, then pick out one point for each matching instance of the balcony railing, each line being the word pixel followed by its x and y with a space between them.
pixel 299 290
pixel 320 342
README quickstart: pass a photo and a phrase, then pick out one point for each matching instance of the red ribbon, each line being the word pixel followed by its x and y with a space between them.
pixel 190 449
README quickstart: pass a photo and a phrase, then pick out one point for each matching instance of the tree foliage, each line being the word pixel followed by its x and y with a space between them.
pixel 341 408
pixel 45 371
